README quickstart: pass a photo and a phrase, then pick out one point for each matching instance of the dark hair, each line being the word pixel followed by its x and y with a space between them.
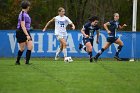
pixel 25 4
pixel 92 19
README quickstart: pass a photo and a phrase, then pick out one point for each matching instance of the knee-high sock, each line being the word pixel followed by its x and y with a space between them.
pixel 65 52
pixel 28 55
pixel 58 51
pixel 90 54
pixel 99 53
pixel 84 47
pixel 19 55
pixel 119 50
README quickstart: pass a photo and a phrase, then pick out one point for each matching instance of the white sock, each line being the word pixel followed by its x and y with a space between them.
pixel 83 46
pixel 58 52
pixel 65 52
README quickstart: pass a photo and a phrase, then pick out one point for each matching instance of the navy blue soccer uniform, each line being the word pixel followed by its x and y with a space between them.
pixel 114 25
pixel 89 30
pixel 112 37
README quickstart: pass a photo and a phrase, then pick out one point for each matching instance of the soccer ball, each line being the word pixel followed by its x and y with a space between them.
pixel 68 59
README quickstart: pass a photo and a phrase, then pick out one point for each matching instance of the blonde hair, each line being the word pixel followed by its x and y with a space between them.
pixel 60 9
pixel 116 14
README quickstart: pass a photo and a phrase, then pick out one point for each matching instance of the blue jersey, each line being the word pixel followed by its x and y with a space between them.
pixel 114 25
pixel 89 29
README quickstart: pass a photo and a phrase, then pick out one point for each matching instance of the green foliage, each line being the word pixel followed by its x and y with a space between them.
pixel 77 10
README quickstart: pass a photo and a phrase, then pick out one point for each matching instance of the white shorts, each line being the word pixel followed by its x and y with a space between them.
pixel 61 37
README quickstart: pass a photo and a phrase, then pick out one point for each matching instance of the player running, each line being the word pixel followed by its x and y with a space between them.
pixel 112 38
pixel 88 35
pixel 61 22
pixel 22 34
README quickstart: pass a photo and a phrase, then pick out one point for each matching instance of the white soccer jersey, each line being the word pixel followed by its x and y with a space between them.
pixel 61 24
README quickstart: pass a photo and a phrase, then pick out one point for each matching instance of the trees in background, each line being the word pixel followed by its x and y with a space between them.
pixel 77 10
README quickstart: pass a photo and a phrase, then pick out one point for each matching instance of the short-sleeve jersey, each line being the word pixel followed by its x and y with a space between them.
pixel 89 29
pixel 114 25
pixel 61 24
pixel 23 16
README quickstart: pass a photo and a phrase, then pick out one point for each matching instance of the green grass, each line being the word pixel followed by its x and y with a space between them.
pixel 48 76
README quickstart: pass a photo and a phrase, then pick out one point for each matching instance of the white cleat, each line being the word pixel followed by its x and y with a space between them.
pixel 56 57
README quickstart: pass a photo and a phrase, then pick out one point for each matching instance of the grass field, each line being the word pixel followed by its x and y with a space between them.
pixel 48 76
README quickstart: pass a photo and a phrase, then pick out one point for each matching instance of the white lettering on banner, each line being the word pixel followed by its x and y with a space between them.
pixel 70 44
pixel 39 42
pixel 95 45
pixel 115 45
pixel 51 43
pixel 13 41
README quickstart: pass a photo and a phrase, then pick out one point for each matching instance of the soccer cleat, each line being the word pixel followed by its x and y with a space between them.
pixel 95 59
pixel 91 60
pixel 28 63
pixel 56 57
pixel 80 46
pixel 117 57
pixel 17 63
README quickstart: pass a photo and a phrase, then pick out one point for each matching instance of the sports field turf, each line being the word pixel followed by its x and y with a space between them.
pixel 48 76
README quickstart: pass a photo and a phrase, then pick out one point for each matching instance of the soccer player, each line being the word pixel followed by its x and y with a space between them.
pixel 112 38
pixel 61 22
pixel 88 35
pixel 22 33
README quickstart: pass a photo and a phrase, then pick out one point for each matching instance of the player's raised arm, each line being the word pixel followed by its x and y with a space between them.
pixel 48 23
pixel 70 23
pixel 73 26
pixel 121 27
pixel 106 27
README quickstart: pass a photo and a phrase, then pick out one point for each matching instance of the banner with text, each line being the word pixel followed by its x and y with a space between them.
pixel 45 44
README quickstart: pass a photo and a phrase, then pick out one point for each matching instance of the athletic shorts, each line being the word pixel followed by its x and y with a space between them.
pixel 21 37
pixel 86 40
pixel 61 37
pixel 111 39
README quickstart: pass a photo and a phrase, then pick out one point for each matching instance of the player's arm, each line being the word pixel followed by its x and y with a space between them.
pixel 83 32
pixel 24 29
pixel 48 23
pixel 106 27
pixel 73 26
pixel 70 23
pixel 97 40
pixel 121 27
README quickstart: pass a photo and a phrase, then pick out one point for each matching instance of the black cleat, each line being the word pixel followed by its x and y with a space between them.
pixel 91 60
pixel 95 59
pixel 80 46
pixel 117 57
pixel 17 63
pixel 27 63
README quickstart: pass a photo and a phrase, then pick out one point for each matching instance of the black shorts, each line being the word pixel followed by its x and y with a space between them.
pixel 111 39
pixel 21 37
pixel 86 40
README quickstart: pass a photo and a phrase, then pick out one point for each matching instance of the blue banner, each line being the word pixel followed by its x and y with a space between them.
pixel 45 44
